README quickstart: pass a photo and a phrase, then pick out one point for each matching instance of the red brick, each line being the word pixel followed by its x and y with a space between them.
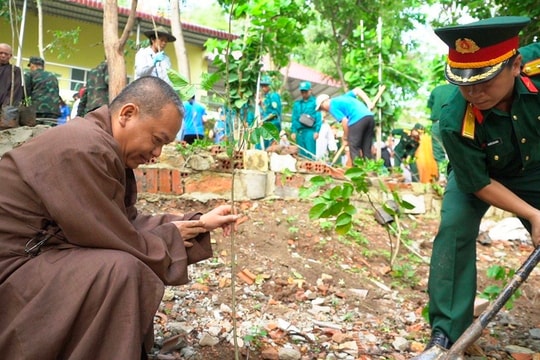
pixel 141 180
pixel 292 181
pixel 165 183
pixel 177 186
pixel 152 180
pixel 215 183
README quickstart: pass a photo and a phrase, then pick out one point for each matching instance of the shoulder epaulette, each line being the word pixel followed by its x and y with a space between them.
pixel 532 68
pixel 529 84
pixel 468 125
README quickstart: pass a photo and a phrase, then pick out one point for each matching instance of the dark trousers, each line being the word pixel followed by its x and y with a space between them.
pixel 360 139
pixel 452 277
pixel 190 139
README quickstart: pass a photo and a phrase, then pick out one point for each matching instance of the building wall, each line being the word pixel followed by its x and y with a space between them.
pixel 87 53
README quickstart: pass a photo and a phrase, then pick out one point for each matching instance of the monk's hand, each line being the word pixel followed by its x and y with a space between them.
pixel 222 216
pixel 189 229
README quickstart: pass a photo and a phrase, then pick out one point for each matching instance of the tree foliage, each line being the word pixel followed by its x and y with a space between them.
pixel 481 9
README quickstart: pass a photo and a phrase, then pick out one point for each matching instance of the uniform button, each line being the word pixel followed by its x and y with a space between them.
pixel 496 157
pixel 523 141
pixel 514 117
pixel 538 118
pixel 527 158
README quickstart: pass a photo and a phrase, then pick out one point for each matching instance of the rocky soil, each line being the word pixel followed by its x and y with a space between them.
pixel 303 292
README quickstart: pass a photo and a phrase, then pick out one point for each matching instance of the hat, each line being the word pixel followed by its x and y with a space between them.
pixel 478 51
pixel 36 61
pixel 320 99
pixel 265 80
pixel 418 126
pixel 305 86
pixel 161 31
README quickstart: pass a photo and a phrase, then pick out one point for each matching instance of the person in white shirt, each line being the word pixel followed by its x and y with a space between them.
pixel 152 60
pixel 326 141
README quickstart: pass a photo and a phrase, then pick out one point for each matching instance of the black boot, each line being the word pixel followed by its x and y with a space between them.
pixel 439 338
pixel 436 347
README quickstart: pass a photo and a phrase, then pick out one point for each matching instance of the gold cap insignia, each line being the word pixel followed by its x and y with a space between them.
pixel 466 46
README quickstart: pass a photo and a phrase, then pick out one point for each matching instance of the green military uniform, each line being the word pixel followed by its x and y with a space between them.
pixel 271 108
pixel 405 150
pixel 305 135
pixel 481 145
pixel 97 90
pixel 42 88
pixel 438 96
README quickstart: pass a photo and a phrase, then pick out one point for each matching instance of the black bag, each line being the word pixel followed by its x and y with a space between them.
pixel 27 115
pixel 307 120
pixel 10 117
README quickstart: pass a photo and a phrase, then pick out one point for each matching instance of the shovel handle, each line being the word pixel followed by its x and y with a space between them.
pixel 474 331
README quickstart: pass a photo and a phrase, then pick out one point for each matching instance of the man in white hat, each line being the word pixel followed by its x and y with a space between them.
pixel 152 60
pixel 355 117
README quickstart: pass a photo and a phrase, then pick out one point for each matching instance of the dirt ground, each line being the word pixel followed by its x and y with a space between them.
pixel 288 255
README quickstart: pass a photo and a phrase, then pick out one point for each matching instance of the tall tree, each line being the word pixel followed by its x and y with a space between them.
pixel 114 46
pixel 179 44
pixel 481 9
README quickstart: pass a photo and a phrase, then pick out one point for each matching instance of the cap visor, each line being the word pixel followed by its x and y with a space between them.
pixel 458 76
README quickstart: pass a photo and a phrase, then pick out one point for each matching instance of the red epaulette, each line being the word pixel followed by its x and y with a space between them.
pixel 529 84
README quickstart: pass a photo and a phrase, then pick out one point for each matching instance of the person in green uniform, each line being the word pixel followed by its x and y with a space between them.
pixel 405 150
pixel 437 98
pixel 306 122
pixel 489 128
pixel 42 89
pixel 97 89
pixel 270 104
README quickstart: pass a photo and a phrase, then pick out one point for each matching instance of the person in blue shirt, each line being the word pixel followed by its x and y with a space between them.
pixel 356 118
pixel 270 104
pixel 194 119
pixel 220 128
pixel 65 112
pixel 306 122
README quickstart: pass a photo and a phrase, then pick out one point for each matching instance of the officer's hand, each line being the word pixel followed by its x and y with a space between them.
pixel 160 56
pixel 535 229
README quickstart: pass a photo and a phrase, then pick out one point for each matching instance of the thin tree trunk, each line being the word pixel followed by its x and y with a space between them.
pixel 114 46
pixel 179 44
pixel 40 29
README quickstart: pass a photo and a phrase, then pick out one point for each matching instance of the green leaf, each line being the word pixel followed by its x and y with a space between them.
pixel 343 229
pixel 344 219
pixel 317 211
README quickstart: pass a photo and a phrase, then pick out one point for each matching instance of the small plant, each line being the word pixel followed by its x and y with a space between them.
pixel 326 225
pixel 293 230
pixel 503 275
pixel 406 274
pixel 255 336
pixel 348 317
pixel 189 149
pixel 292 219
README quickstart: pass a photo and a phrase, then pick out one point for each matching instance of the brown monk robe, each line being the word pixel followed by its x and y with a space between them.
pixel 91 290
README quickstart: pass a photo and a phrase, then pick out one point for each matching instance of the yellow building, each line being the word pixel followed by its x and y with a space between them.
pixel 72 62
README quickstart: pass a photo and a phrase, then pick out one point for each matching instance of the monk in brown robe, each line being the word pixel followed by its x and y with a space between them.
pixel 82 273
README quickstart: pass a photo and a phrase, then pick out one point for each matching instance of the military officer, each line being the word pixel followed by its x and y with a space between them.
pixel 489 128
pixel 306 122
pixel 270 104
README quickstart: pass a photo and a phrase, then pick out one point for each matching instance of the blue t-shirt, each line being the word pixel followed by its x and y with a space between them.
pixel 347 105
pixel 193 119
